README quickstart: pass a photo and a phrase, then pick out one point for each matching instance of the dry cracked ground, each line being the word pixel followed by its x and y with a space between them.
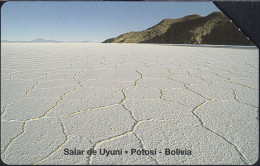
pixel 128 96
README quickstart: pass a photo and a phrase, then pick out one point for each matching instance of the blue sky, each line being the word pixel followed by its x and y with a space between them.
pixel 89 21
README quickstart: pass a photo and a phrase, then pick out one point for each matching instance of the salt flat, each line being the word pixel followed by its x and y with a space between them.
pixel 128 96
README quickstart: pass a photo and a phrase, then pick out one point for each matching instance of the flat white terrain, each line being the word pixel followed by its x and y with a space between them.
pixel 57 96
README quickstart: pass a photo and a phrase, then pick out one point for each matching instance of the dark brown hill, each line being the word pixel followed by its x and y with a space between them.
pixel 193 29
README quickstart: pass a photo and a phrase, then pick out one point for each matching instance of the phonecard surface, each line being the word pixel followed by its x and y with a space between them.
pixel 126 83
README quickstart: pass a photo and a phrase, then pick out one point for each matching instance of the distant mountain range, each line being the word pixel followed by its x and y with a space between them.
pixel 214 29
pixel 38 40
pixel 41 40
